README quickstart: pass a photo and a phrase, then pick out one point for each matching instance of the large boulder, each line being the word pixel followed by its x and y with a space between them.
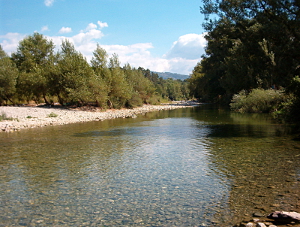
pixel 285 217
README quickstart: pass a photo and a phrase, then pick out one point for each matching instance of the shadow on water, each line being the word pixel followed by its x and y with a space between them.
pixel 199 166
pixel 260 159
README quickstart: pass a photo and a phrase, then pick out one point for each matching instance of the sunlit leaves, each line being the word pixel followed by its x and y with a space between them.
pixel 36 73
pixel 8 77
pixel 251 44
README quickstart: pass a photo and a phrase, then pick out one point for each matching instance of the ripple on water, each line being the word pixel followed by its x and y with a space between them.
pixel 172 169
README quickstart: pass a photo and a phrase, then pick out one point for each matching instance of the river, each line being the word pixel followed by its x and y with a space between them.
pixel 200 166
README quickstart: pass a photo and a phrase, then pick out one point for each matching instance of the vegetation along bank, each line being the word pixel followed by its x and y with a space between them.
pixel 252 60
pixel 252 57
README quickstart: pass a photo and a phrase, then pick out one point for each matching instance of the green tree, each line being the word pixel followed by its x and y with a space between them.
pixel 174 89
pixel 159 82
pixel 33 58
pixel 198 83
pixel 74 76
pixel 102 80
pixel 120 90
pixel 143 88
pixel 251 44
pixel 291 109
pixel 8 78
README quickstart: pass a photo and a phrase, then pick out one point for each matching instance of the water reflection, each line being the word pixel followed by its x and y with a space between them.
pixel 187 167
pixel 261 161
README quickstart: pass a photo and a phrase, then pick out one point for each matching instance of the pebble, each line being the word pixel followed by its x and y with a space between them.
pixel 32 117
pixel 258 214
pixel 250 224
pixel 260 224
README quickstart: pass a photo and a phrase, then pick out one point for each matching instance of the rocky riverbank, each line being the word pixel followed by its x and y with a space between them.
pixel 275 219
pixel 39 116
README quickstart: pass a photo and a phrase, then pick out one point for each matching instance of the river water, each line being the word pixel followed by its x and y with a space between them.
pixel 199 166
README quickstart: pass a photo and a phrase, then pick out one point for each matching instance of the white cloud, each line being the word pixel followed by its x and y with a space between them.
pixel 102 24
pixel 45 28
pixel 65 30
pixel 48 2
pixel 86 37
pixel 90 27
pixel 10 42
pixel 189 46
pixel 182 65
pixel 181 58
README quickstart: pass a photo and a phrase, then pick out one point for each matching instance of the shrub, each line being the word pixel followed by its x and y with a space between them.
pixel 156 100
pixel 258 101
pixel 4 117
pixel 135 101
pixel 52 115
pixel 291 108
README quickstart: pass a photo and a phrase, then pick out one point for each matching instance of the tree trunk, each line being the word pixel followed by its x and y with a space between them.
pixel 109 103
pixel 45 99
pixel 60 100
pixel 10 100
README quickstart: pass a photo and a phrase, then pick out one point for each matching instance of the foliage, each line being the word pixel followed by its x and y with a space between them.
pixel 52 114
pixel 33 59
pixel 101 84
pixel 8 78
pixel 168 89
pixel 251 44
pixel 35 72
pixel 142 87
pixel 74 76
pixel 258 101
pixel 198 84
pixel 3 117
pixel 291 109
pixel 120 90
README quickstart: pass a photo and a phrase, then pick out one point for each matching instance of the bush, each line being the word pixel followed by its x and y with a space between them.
pixel 52 115
pixel 258 101
pixel 4 117
pixel 291 108
pixel 135 101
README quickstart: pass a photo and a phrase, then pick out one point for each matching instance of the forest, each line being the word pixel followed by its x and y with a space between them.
pixel 252 58
pixel 35 72
pixel 251 63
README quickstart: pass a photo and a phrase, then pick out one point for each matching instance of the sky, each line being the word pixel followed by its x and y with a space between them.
pixel 160 35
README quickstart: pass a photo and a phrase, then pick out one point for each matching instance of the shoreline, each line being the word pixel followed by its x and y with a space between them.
pixel 41 116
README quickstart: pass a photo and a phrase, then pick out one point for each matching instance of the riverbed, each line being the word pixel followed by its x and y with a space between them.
pixel 202 166
pixel 22 117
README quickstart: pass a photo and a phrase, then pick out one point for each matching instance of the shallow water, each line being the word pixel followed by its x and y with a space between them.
pixel 186 167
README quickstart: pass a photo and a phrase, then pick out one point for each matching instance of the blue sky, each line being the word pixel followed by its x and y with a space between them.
pixel 162 35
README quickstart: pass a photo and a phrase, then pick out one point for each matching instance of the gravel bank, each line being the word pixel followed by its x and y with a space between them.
pixel 32 117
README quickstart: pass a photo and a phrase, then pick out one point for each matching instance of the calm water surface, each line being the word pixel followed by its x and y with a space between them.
pixel 188 167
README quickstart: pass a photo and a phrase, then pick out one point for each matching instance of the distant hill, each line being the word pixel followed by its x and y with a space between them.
pixel 175 76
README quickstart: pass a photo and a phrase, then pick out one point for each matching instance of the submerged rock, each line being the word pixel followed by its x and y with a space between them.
pixel 258 214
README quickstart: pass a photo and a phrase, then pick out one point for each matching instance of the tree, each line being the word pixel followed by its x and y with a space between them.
pixel 143 89
pixel 174 91
pixel 74 76
pixel 197 83
pixel 101 84
pixel 8 77
pixel 250 44
pixel 159 82
pixel 99 60
pixel 120 90
pixel 33 59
